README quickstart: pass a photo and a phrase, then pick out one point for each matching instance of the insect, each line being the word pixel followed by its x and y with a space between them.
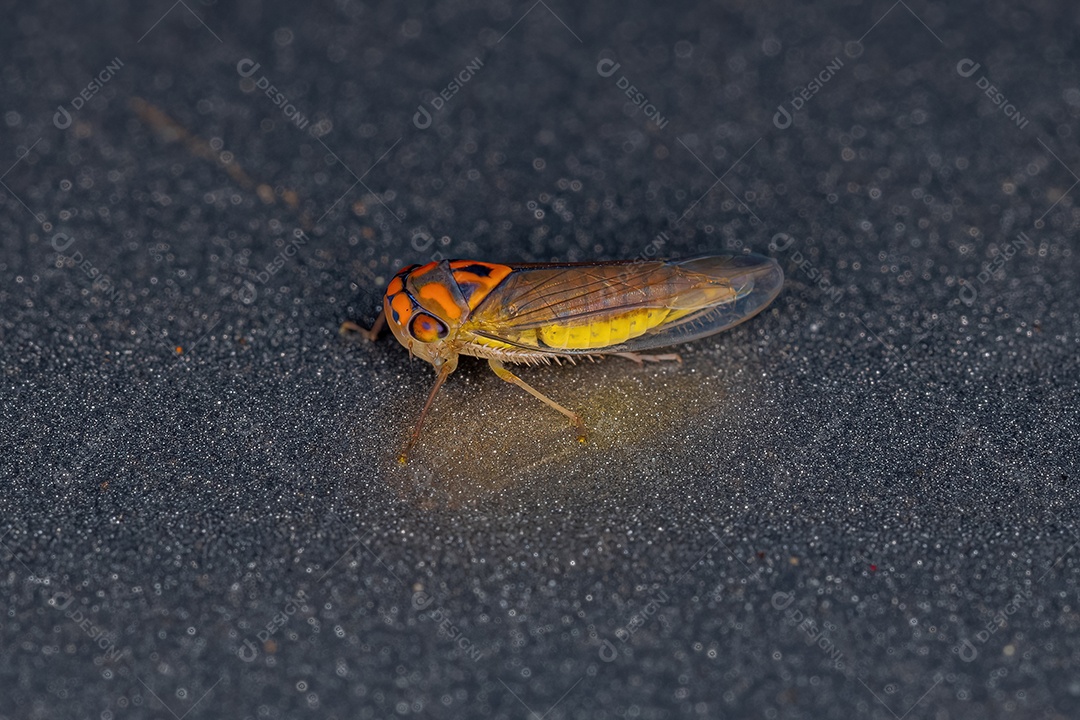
pixel 536 313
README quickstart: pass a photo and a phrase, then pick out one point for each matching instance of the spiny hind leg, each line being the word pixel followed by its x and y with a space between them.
pixel 641 359
pixel 500 370
pixel 349 328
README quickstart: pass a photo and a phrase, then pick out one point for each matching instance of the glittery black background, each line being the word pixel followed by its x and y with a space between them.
pixel 862 503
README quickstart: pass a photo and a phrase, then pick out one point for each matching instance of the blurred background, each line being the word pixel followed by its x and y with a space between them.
pixel 862 502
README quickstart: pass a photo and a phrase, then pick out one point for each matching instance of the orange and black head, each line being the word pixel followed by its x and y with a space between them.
pixel 426 305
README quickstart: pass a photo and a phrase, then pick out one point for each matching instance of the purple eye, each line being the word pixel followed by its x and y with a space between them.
pixel 426 328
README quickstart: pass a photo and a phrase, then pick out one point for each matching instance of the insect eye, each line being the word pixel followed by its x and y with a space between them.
pixel 427 329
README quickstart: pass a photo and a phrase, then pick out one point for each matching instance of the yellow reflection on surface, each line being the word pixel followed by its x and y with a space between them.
pixel 485 437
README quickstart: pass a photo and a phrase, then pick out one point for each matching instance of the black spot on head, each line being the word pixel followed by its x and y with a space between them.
pixel 479 270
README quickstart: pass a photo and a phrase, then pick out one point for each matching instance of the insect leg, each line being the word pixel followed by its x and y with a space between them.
pixel 371 334
pixel 444 373
pixel 639 358
pixel 510 377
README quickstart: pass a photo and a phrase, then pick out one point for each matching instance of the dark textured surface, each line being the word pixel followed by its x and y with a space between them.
pixel 189 453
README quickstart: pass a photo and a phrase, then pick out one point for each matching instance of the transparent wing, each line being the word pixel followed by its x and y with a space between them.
pixel 665 302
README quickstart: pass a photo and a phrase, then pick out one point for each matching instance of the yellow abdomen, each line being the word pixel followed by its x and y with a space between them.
pixel 602 333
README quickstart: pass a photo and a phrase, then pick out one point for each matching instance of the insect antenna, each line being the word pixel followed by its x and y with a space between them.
pixel 439 380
